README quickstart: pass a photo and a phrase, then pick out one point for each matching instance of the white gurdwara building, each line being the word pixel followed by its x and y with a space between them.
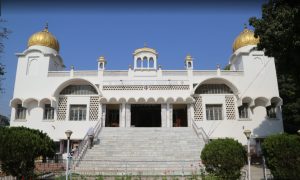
pixel 217 103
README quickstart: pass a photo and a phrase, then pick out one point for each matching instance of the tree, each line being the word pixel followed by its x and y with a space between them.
pixel 3 35
pixel 279 33
pixel 282 155
pixel 20 146
pixel 224 158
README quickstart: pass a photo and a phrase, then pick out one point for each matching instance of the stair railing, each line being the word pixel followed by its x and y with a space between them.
pixel 200 131
pixel 83 146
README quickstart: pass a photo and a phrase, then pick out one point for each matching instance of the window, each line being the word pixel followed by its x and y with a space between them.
pixel 79 90
pixel 77 112
pixel 243 111
pixel 20 112
pixel 48 112
pixel 151 63
pixel 139 62
pixel 213 89
pixel 214 112
pixel 271 111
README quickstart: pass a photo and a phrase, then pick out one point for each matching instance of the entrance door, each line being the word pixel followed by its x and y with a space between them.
pixel 146 115
pixel 112 115
pixel 179 115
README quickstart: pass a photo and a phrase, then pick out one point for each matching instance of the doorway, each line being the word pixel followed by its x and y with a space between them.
pixel 145 115
pixel 179 115
pixel 112 117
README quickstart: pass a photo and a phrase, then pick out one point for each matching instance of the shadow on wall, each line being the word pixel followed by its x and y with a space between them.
pixel 268 127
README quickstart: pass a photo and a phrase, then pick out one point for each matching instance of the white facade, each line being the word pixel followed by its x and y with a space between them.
pixel 41 78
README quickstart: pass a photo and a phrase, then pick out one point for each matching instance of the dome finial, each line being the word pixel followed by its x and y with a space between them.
pixel 46 27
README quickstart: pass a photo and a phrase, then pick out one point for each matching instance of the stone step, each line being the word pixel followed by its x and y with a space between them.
pixel 142 150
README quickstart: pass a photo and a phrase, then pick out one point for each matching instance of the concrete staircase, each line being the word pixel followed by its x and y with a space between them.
pixel 143 151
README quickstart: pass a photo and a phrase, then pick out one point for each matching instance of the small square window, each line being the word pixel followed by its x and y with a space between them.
pixel 77 112
pixel 20 112
pixel 214 112
pixel 48 112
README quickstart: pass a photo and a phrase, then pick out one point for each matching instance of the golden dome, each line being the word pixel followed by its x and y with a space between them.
pixel 246 37
pixel 44 38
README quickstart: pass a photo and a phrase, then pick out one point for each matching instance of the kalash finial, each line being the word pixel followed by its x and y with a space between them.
pixel 46 27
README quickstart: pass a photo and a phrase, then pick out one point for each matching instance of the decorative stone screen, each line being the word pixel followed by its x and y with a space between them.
pixel 94 108
pixel 230 107
pixel 62 108
pixel 145 87
pixel 198 109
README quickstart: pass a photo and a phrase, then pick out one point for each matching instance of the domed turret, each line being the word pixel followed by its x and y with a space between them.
pixel 246 37
pixel 44 38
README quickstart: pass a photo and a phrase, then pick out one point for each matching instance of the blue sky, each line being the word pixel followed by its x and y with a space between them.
pixel 206 31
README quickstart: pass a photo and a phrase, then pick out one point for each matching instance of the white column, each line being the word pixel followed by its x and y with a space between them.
pixel 128 115
pixel 122 115
pixel 189 114
pixel 100 113
pixel 163 115
pixel 103 114
pixel 170 115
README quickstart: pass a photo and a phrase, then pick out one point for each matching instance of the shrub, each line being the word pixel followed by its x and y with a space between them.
pixel 282 154
pixel 224 158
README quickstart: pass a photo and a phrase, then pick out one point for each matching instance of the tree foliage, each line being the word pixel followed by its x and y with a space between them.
pixel 282 155
pixel 19 148
pixel 224 158
pixel 279 33
pixel 3 35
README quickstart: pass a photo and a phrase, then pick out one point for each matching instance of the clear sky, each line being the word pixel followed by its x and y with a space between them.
pixel 115 29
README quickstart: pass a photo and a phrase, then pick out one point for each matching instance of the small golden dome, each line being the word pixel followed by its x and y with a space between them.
pixel 44 38
pixel 246 37
pixel 188 58
pixel 102 59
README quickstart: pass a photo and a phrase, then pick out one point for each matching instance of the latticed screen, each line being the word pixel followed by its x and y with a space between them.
pixel 214 112
pixel 198 109
pixel 94 108
pixel 62 108
pixel 145 87
pixel 213 89
pixel 79 90
pixel 230 107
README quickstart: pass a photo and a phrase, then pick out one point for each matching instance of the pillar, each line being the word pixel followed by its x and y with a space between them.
pixel 170 115
pixel 163 115
pixel 122 115
pixel 189 114
pixel 103 114
pixel 127 115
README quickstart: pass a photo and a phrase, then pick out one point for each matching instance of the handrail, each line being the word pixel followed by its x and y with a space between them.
pixel 200 130
pixel 83 146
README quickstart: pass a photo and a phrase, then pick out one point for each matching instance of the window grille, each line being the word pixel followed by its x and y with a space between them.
pixel 198 109
pixel 48 112
pixel 214 112
pixel 213 89
pixel 62 108
pixel 230 107
pixel 79 90
pixel 271 111
pixel 243 111
pixel 94 108
pixel 20 112
pixel 77 112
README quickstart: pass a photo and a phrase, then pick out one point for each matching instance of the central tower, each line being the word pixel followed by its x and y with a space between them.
pixel 145 58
